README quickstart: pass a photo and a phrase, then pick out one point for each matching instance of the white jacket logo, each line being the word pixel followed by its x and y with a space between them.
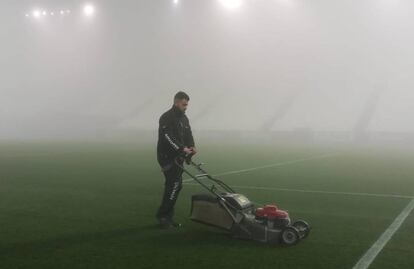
pixel 175 189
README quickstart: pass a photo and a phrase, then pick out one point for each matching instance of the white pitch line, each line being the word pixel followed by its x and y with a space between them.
pixel 383 195
pixel 376 248
pixel 322 156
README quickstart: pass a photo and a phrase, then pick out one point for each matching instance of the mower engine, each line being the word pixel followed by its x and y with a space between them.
pixel 273 217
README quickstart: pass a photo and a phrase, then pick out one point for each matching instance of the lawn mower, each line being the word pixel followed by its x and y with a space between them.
pixel 222 207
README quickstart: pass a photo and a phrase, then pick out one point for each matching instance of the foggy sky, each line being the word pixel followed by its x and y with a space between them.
pixel 316 63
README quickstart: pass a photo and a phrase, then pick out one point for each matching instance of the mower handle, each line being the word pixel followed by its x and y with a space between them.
pixel 213 189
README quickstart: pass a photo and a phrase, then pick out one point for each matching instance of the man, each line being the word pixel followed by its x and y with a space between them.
pixel 174 139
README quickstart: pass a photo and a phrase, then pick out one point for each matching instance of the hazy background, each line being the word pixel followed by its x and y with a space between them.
pixel 334 70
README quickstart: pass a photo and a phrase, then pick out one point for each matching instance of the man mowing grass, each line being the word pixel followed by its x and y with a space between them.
pixel 174 138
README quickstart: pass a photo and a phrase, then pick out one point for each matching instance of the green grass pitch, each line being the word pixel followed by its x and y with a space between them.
pixel 92 205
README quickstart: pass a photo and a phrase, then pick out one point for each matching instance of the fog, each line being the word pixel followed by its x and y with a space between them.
pixel 329 69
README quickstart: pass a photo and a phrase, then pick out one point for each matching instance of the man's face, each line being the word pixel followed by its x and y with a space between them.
pixel 181 104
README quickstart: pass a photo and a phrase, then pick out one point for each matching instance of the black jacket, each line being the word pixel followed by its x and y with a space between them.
pixel 174 133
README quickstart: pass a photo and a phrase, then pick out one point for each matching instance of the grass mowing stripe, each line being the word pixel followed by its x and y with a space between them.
pixel 322 156
pixel 376 248
pixel 384 195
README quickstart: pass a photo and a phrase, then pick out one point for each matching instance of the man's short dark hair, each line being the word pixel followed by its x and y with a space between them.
pixel 181 95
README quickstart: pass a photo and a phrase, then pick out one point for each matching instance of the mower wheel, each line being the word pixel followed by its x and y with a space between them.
pixel 290 236
pixel 303 228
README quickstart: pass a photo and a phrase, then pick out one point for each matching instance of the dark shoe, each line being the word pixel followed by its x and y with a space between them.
pixel 166 223
pixel 175 224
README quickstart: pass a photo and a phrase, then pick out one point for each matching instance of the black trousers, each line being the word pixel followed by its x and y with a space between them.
pixel 172 187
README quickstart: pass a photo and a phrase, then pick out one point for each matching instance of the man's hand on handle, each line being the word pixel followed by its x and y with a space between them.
pixel 187 151
pixel 190 150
